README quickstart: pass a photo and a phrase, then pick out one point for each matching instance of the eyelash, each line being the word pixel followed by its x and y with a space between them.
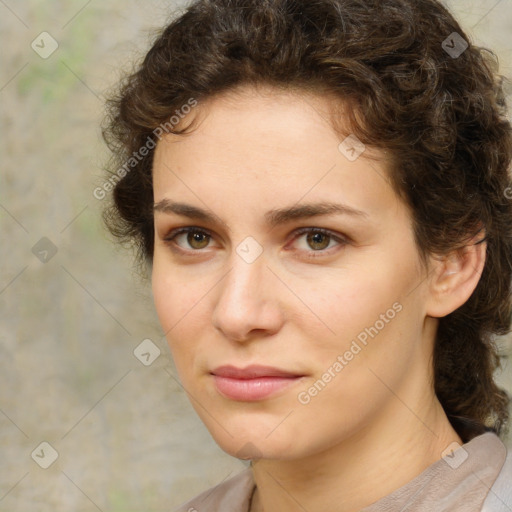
pixel 342 241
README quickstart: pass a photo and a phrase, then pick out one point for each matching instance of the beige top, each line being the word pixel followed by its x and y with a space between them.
pixel 459 483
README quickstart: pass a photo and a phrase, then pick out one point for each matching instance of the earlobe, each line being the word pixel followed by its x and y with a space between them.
pixel 454 277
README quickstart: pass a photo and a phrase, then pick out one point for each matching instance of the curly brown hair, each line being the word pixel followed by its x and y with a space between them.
pixel 413 89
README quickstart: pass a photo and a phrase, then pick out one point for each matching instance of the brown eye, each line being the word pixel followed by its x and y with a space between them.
pixel 198 239
pixel 318 240
pixel 189 238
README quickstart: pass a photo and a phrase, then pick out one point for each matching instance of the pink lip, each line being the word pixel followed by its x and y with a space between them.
pixel 253 382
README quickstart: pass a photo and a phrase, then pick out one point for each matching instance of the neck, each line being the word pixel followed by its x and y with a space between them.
pixel 364 467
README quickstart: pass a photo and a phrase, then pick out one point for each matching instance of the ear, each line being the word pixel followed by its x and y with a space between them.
pixel 454 277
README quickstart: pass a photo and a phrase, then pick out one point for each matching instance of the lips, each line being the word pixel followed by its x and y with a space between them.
pixel 252 372
pixel 252 383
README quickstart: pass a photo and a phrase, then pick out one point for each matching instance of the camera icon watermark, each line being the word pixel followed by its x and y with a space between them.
pixel 44 250
pixel 44 45
pixel 454 455
pixel 249 249
pixel 146 352
pixel 508 193
pixel 44 455
pixel 351 148
pixel 455 45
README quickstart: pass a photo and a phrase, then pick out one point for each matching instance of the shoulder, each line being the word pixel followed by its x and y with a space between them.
pixel 231 495
pixel 459 482
pixel 499 498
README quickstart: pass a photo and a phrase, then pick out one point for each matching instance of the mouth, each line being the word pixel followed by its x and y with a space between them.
pixel 252 383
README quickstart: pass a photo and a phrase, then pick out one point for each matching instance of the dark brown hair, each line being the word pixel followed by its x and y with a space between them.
pixel 414 88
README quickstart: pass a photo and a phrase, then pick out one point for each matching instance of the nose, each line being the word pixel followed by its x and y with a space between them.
pixel 247 306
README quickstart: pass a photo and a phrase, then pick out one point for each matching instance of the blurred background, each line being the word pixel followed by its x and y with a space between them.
pixel 118 432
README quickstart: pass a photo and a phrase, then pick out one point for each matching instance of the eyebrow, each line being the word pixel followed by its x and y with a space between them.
pixel 273 217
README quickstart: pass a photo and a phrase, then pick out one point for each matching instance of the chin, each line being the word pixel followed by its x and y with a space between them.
pixel 249 444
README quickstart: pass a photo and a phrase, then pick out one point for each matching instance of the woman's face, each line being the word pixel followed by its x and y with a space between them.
pixel 293 325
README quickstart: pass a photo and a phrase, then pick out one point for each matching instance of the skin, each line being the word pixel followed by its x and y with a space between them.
pixel 377 424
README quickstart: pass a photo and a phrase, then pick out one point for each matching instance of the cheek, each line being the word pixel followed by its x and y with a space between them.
pixel 351 301
pixel 177 302
pixel 369 318
pixel 174 304
pixel 165 297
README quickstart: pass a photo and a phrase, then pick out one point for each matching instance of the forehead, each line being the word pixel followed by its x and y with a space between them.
pixel 269 146
pixel 260 118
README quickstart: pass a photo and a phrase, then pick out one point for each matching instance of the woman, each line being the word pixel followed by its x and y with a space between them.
pixel 321 190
